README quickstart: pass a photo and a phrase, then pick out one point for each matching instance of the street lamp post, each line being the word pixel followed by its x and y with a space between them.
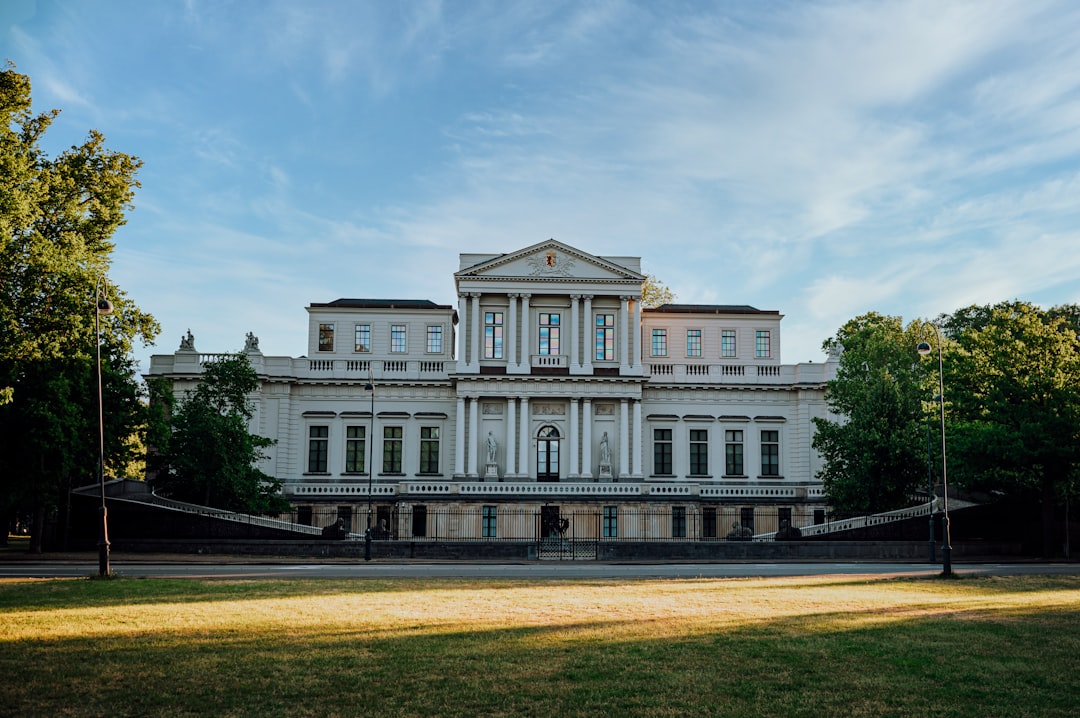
pixel 103 306
pixel 370 386
pixel 946 547
pixel 930 489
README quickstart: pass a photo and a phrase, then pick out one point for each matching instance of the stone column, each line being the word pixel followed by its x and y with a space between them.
pixel 463 334
pixel 511 336
pixel 511 438
pixel 524 461
pixel 459 438
pixel 635 336
pixel 589 349
pixel 526 342
pixel 575 465
pixel 624 441
pixel 635 469
pixel 474 437
pixel 624 331
pixel 475 343
pixel 586 439
pixel 575 331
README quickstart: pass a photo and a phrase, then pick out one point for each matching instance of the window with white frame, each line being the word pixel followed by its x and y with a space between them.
pixel 397 339
pixel 318 444
pixel 355 449
pixel 693 342
pixel 434 339
pixel 699 452
pixel 326 337
pixel 770 453
pixel 727 343
pixel 662 452
pixel 611 522
pixel 362 338
pixel 493 335
pixel 549 334
pixel 733 452
pixel 659 342
pixel 391 449
pixel 762 344
pixel 429 449
pixel 605 337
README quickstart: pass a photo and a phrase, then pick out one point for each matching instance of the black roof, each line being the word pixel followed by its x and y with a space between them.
pixel 383 304
pixel 710 309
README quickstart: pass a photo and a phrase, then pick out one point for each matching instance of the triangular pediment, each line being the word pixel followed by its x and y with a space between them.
pixel 550 259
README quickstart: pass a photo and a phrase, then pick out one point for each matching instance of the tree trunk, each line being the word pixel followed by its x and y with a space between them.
pixel 1049 544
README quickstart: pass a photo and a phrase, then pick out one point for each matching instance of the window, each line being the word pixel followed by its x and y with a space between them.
pixel 659 342
pixel 419 520
pixel 303 515
pixel 362 340
pixel 727 343
pixel 397 338
pixel 326 337
pixel 762 344
pixel 344 513
pixel 662 451
pixel 355 440
pixel 708 522
pixel 489 521
pixel 605 337
pixel 493 335
pixel 391 450
pixel 770 453
pixel 733 453
pixel 611 522
pixel 549 334
pixel 434 339
pixel 783 517
pixel 699 452
pixel 429 449
pixel 693 342
pixel 318 441
pixel 678 522
pixel 746 520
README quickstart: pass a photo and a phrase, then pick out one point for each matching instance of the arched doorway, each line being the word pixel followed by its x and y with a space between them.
pixel 547 454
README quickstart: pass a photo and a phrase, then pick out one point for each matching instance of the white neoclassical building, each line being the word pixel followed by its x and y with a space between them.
pixel 548 390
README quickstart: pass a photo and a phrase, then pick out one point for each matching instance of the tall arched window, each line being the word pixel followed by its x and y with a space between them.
pixel 547 454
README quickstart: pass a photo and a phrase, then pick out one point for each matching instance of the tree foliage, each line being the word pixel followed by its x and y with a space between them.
pixel 874 452
pixel 1014 383
pixel 57 219
pixel 204 452
pixel 655 293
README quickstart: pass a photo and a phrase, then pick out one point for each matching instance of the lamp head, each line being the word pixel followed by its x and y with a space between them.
pixel 923 348
pixel 369 387
pixel 104 306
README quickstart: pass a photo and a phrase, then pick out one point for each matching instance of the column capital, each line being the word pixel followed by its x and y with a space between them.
pixel 513 295
pixel 625 297
pixel 525 295
pixel 476 295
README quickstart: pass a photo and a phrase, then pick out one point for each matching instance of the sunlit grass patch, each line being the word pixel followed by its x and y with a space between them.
pixel 790 646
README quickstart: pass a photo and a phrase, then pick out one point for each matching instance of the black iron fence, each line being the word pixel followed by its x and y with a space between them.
pixel 604 523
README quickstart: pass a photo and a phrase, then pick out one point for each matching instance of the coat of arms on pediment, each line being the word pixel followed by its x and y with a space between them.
pixel 551 264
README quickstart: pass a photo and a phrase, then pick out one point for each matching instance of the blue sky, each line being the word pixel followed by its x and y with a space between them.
pixel 823 159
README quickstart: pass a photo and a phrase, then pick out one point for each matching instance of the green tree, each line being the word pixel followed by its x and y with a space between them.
pixel 57 218
pixel 874 453
pixel 1014 386
pixel 204 452
pixel 655 293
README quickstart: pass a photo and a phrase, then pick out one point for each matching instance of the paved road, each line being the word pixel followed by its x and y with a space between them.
pixel 533 570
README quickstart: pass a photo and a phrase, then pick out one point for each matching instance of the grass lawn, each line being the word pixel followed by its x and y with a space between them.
pixel 837 646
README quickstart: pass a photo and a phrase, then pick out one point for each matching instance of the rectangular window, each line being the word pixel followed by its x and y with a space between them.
pixel 783 517
pixel 708 523
pixel 693 342
pixel 678 522
pixel 605 337
pixel 489 521
pixel 611 522
pixel 419 520
pixel 662 452
pixel 770 453
pixel 355 441
pixel 733 459
pixel 699 452
pixel 318 442
pixel 493 335
pixel 746 520
pixel 303 515
pixel 326 337
pixel 762 344
pixel 397 338
pixel 345 514
pixel 391 450
pixel 727 343
pixel 659 342
pixel 429 449
pixel 434 339
pixel 549 334
pixel 362 341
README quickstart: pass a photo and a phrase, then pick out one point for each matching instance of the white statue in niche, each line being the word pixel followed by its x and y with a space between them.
pixel 492 447
pixel 605 451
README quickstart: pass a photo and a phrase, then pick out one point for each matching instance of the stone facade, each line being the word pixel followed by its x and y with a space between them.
pixel 548 388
